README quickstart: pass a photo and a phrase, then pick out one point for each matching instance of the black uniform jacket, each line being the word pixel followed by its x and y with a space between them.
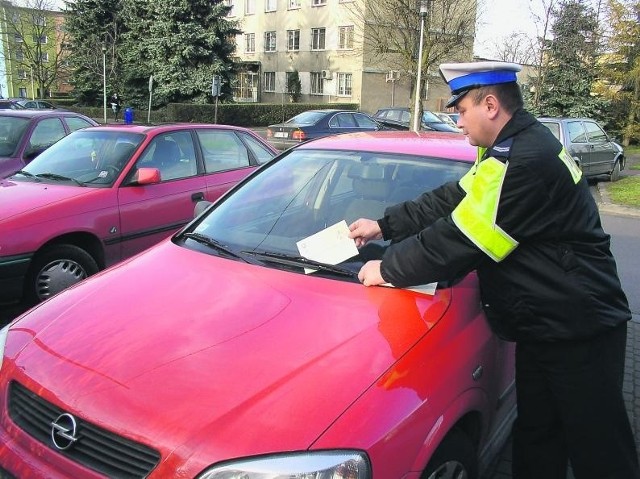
pixel 559 283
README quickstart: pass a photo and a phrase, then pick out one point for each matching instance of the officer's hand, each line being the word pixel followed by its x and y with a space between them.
pixel 363 230
pixel 370 275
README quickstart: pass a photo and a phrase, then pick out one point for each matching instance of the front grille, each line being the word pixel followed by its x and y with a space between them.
pixel 96 448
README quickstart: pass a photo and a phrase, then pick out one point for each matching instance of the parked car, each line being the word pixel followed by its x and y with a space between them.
pixel 446 117
pixel 25 134
pixel 316 123
pixel 454 116
pixel 222 352
pixel 37 104
pixel 105 193
pixel 585 140
pixel 400 118
pixel 9 104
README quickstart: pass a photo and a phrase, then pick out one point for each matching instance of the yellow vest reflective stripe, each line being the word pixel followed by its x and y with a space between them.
pixel 476 214
pixel 570 163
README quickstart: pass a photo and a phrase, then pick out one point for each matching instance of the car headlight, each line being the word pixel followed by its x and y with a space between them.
pixel 3 340
pixel 302 465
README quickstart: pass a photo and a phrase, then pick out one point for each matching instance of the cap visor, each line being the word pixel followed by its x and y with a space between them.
pixel 455 99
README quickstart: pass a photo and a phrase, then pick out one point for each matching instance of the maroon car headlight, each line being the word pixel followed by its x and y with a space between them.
pixel 3 340
pixel 302 465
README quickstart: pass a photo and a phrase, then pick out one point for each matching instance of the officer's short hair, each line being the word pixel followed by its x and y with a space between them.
pixel 508 94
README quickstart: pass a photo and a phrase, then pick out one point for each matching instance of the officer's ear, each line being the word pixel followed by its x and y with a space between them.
pixel 491 106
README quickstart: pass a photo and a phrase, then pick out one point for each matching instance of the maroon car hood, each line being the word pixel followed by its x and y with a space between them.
pixel 18 197
pixel 195 352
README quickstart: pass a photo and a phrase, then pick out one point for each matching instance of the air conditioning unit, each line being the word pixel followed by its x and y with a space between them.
pixel 327 75
pixel 392 75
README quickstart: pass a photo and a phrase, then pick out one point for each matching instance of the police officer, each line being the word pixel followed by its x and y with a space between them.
pixel 524 218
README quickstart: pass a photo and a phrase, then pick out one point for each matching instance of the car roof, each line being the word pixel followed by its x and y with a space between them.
pixel 38 113
pixel 145 129
pixel 563 118
pixel 431 143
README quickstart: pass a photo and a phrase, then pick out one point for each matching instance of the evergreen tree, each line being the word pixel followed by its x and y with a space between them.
pixel 570 65
pixel 93 26
pixel 182 43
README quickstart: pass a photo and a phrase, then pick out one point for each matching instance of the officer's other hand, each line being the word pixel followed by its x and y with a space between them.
pixel 363 230
pixel 370 275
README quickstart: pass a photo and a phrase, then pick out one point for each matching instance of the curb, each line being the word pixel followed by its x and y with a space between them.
pixel 605 205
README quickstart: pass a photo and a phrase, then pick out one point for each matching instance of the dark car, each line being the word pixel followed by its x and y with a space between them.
pixel 37 105
pixel 588 143
pixel 400 118
pixel 316 123
pixel 8 104
pixel 24 134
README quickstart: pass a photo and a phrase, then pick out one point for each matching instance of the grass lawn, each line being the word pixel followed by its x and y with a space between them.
pixel 625 191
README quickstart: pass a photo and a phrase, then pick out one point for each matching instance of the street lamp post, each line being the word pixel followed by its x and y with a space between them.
pixel 424 7
pixel 104 81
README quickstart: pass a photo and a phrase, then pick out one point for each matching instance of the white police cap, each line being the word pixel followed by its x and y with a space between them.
pixel 462 77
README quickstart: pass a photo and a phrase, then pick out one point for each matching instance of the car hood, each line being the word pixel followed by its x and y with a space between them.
pixel 213 358
pixel 19 197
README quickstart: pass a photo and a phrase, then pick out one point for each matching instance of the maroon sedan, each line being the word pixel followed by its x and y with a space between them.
pixel 103 194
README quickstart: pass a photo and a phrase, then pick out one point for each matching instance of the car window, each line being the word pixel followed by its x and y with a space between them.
pixel 46 133
pixel 75 123
pixel 261 153
pixel 430 117
pixel 343 120
pixel 394 115
pixel 405 116
pixel 595 134
pixel 576 132
pixel 172 154
pixel 222 150
pixel 553 127
pixel 307 118
pixel 11 131
pixel 364 121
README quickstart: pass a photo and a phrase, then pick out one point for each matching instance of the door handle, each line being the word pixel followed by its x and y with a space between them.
pixel 199 196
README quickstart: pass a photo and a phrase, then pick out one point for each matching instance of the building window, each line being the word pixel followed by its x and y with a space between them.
pixel 22 74
pixel 269 41
pixel 22 92
pixel 39 21
pixel 42 39
pixel 249 7
pixel 231 5
pixel 317 38
pixel 19 55
pixel 293 4
pixel 317 83
pixel 317 3
pixel 270 5
pixel 293 40
pixel 17 38
pixel 269 81
pixel 250 42
pixel 344 84
pixel 44 57
pixel 346 38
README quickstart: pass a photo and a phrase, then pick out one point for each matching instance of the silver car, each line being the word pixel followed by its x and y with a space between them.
pixel 585 140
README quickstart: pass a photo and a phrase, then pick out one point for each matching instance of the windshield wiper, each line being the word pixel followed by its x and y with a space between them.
pixel 27 174
pixel 57 177
pixel 301 261
pixel 214 244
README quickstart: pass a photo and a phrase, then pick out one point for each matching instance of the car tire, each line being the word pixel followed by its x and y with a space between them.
pixel 455 457
pixel 615 173
pixel 56 268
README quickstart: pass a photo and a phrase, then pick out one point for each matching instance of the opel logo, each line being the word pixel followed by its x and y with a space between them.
pixel 63 431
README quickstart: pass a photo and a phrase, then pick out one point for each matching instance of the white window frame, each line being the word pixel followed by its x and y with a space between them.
pixel 345 84
pixel 317 83
pixel 232 5
pixel 270 5
pixel 318 39
pixel 318 3
pixel 345 37
pixel 270 41
pixel 293 4
pixel 249 7
pixel 249 42
pixel 293 40
pixel 269 81
pixel 22 74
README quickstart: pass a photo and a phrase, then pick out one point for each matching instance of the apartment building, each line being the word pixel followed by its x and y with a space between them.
pixel 324 41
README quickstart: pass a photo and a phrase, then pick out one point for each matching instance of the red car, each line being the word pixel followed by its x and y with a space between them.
pixel 224 353
pixel 103 194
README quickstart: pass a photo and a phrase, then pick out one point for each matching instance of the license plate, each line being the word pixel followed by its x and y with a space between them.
pixel 281 134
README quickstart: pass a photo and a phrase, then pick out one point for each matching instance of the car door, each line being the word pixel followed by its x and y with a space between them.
pixel 226 159
pixel 45 133
pixel 149 213
pixel 577 144
pixel 343 123
pixel 603 152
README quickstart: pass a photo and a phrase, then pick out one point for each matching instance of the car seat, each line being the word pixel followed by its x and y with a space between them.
pixel 372 192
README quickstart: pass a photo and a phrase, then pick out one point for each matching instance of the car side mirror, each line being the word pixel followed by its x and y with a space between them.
pixel 145 176
pixel 200 207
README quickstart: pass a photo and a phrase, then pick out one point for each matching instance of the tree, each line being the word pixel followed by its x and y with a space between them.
pixel 570 64
pixel 391 32
pixel 36 45
pixel 620 68
pixel 294 86
pixel 182 43
pixel 94 25
pixel 516 48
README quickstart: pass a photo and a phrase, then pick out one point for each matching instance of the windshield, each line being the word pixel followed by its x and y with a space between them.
pixel 430 117
pixel 309 190
pixel 306 118
pixel 88 157
pixel 11 131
